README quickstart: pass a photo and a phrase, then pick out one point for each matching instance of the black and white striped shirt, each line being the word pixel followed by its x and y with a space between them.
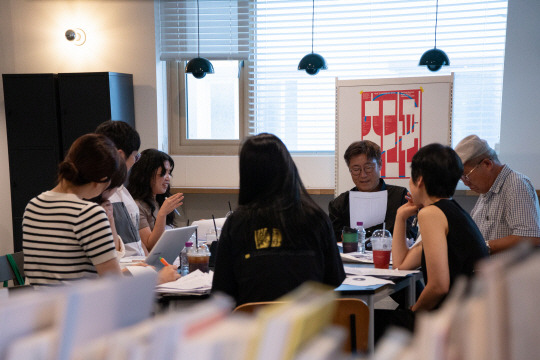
pixel 63 238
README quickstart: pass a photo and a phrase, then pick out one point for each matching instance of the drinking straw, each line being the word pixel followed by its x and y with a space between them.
pixel 230 209
pixel 196 240
pixel 187 222
pixel 384 230
pixel 214 220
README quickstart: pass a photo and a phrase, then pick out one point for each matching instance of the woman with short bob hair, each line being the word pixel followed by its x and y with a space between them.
pixel 149 185
pixel 66 238
pixel 451 242
pixel 278 237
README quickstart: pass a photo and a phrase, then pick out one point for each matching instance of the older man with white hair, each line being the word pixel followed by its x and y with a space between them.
pixel 507 211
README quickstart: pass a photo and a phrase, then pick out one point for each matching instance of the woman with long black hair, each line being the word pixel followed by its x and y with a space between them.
pixel 149 185
pixel 278 237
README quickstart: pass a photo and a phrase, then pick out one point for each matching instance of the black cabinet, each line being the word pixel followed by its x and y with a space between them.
pixel 45 113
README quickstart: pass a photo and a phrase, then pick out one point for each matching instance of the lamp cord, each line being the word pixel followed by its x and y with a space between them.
pixel 312 24
pixel 436 16
pixel 199 35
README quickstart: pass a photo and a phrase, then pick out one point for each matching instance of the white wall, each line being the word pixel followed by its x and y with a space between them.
pixel 120 38
pixel 520 125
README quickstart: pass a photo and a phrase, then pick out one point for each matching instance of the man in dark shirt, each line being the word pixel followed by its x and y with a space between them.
pixel 364 161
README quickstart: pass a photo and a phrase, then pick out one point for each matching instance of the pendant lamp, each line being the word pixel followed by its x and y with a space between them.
pixel 199 66
pixel 312 63
pixel 435 58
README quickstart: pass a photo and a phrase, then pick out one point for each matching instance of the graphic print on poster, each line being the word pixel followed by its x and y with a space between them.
pixel 393 119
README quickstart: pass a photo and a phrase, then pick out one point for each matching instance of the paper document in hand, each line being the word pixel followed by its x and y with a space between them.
pixel 357 280
pixel 368 207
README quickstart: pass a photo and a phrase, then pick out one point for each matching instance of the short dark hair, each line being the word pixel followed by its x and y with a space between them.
pixel 125 138
pixel 91 158
pixel 440 168
pixel 366 147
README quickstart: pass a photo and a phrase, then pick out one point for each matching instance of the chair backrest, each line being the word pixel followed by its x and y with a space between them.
pixel 9 269
pixel 352 314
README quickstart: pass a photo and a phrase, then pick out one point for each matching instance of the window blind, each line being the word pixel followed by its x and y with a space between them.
pixel 359 40
pixel 370 39
pixel 223 28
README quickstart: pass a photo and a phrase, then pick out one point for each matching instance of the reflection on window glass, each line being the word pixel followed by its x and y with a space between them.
pixel 213 103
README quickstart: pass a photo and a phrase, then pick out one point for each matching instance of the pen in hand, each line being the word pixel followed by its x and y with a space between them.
pixel 163 261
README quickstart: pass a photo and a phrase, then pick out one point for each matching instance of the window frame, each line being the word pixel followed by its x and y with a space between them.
pixel 179 144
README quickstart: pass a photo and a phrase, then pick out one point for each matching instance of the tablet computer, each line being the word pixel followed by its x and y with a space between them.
pixel 169 245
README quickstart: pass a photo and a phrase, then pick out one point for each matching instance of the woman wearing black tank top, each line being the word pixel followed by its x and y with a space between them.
pixel 451 242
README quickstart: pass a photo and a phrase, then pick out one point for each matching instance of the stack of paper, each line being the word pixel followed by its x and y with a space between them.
pixel 324 346
pixel 284 327
pixel 196 282
pixel 357 280
pixel 226 339
pixel 355 270
pixel 165 336
pixel 358 257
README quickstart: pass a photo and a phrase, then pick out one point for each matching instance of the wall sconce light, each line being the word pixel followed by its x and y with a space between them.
pixel 78 36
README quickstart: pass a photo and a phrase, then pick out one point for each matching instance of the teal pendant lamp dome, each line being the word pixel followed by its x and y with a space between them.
pixel 313 62
pixel 435 58
pixel 199 66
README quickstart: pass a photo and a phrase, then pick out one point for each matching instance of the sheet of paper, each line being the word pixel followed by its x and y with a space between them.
pixel 368 207
pixel 358 258
pixel 138 270
pixel 355 270
pixel 132 259
pixel 196 281
pixel 357 280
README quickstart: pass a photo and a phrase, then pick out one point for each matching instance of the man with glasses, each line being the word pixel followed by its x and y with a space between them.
pixel 364 161
pixel 507 211
pixel 125 210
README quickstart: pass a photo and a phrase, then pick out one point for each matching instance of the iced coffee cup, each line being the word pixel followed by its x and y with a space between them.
pixel 381 242
pixel 198 259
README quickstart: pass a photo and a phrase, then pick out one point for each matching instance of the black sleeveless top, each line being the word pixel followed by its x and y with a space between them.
pixel 464 241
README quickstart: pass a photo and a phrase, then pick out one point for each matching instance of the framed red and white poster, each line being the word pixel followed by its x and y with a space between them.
pixel 400 115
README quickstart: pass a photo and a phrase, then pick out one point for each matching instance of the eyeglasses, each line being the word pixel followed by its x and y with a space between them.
pixel 466 177
pixel 368 169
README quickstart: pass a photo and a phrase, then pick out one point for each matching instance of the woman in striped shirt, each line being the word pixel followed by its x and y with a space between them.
pixel 66 238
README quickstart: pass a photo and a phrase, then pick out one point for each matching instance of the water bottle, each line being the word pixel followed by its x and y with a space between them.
pixel 184 264
pixel 361 236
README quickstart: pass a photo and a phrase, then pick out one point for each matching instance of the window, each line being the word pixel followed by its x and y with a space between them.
pixel 359 40
pixel 212 104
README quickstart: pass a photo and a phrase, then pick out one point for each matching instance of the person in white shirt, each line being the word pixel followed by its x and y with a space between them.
pixel 507 211
pixel 125 210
